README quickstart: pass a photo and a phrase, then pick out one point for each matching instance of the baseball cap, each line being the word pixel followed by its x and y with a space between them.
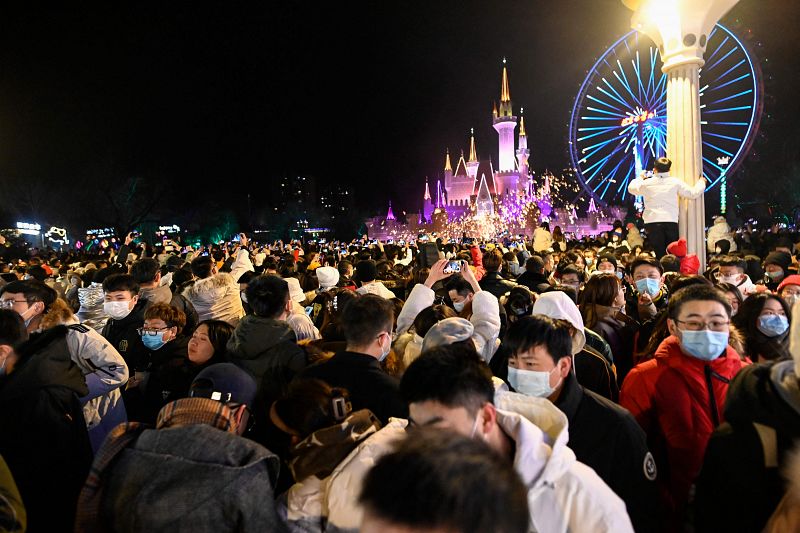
pixel 226 383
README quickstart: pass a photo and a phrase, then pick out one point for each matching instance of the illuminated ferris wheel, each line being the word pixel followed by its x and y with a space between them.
pixel 619 121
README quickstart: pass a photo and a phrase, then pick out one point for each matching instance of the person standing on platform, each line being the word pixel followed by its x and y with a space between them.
pixel 661 192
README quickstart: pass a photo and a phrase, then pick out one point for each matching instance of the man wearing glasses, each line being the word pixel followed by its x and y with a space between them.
pixel 679 396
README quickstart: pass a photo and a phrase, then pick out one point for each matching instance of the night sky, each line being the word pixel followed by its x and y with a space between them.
pixel 224 98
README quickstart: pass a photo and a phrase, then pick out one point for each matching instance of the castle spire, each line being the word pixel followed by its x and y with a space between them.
pixel 390 215
pixel 447 165
pixel 427 190
pixel 521 124
pixel 505 94
pixel 473 156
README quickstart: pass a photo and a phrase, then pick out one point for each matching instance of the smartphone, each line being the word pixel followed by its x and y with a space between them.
pixel 452 267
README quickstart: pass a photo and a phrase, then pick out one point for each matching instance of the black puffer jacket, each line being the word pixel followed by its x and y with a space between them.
pixel 43 434
pixel 762 407
pixel 123 336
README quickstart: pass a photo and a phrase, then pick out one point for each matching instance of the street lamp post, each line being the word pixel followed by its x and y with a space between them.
pixel 680 28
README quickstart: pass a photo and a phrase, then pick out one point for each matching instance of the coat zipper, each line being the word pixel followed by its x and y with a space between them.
pixel 710 374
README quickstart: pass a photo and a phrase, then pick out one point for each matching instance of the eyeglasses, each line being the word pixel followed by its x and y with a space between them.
pixel 697 325
pixel 8 304
pixel 151 332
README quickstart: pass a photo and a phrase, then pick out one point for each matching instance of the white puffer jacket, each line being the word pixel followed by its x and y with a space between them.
pixel 216 297
pixel 563 494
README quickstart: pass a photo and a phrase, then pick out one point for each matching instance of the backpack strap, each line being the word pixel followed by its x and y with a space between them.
pixel 769 443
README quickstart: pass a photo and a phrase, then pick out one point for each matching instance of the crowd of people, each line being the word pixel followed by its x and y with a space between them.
pixel 540 384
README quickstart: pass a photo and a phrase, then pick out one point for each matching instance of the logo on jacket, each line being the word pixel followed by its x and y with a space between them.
pixel 650 467
pixel 123 346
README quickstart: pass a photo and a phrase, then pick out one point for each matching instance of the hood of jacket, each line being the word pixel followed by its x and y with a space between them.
pixel 322 451
pixel 540 432
pixel 59 314
pixel 213 460
pixel 557 304
pixel 209 290
pixel 768 394
pixel 44 361
pixel 255 335
pixel 91 297
pixel 158 295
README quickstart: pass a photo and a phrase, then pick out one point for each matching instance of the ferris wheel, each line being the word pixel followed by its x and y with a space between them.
pixel 619 122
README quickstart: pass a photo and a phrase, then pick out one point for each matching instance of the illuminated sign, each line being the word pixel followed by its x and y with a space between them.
pixel 57 235
pixel 644 116
pixel 723 161
pixel 100 232
pixel 25 228
pixel 170 229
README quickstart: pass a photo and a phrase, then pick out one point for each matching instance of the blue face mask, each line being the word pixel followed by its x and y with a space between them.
pixel 649 286
pixel 772 325
pixel 153 342
pixel 704 345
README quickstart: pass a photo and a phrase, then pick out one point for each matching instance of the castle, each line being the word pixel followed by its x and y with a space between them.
pixel 475 186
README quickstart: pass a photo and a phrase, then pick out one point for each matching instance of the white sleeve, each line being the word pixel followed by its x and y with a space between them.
pixel 635 186
pixel 420 298
pixel 241 264
pixel 693 191
pixel 486 319
pixel 101 364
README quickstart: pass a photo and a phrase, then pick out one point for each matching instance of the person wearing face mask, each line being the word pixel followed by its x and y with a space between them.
pixel 650 295
pixel 776 267
pixel 678 397
pixel 732 269
pixel 763 319
pixel 759 437
pixel 126 314
pixel 449 388
pixel 367 323
pixel 718 232
pixel 789 289
pixel 408 345
pixel 603 435
pixel 480 307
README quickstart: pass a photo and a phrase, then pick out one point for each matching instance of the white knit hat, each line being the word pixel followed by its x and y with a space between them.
pixel 328 277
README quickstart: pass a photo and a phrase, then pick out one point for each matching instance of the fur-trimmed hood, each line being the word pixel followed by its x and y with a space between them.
pixel 59 314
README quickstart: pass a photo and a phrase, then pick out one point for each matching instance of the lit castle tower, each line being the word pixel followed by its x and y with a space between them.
pixel 505 122
pixel 448 172
pixel 472 164
pixel 427 203
pixel 523 154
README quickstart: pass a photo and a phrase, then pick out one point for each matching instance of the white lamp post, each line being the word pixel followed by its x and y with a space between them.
pixel 680 28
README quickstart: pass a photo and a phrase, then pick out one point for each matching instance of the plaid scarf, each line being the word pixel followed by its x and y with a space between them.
pixel 183 412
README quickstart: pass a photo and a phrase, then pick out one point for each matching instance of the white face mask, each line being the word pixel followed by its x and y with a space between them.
pixel 459 306
pixel 117 310
pixel 532 382
pixel 732 279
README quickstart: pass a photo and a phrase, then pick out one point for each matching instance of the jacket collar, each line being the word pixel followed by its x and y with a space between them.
pixel 669 352
pixel 570 397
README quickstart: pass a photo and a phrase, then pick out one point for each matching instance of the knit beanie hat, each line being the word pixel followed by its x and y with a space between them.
pixel 678 248
pixel 794 279
pixel 690 265
pixel 328 277
pixel 782 259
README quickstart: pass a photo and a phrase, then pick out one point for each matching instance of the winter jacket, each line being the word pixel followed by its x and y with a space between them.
pixel 163 295
pixel 123 335
pixel 376 288
pixel 620 332
pixel 536 282
pixel 43 436
pixel 325 496
pixel 370 387
pixel 494 283
pixel 634 238
pixel 485 317
pixel 718 232
pixel 241 264
pixel 193 478
pixel 679 400
pixel 787 515
pixel 542 240
pixel 746 454
pixel 216 297
pixel 13 518
pixel 661 194
pixel 171 376
pixel 266 348
pixel 564 495
pixel 91 311
pixel 605 437
pixel 591 368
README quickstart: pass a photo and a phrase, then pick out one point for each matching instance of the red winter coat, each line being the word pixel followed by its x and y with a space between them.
pixel 669 397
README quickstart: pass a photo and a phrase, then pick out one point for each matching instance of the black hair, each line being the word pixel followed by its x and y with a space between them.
pixel 702 291
pixel 457 283
pixel 248 276
pixel 540 330
pixel 662 164
pixel 645 259
pixel 120 282
pixel 308 406
pixel 219 332
pixel 756 343
pixel 441 480
pixel 365 317
pixel 267 295
pixel 724 245
pixel 452 375
pixel 732 260
pixel 571 269
pixel 202 266
pixel 37 272
pixel 12 328
pixel 33 290
pixel 145 270
pixel 534 264
pixel 429 316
